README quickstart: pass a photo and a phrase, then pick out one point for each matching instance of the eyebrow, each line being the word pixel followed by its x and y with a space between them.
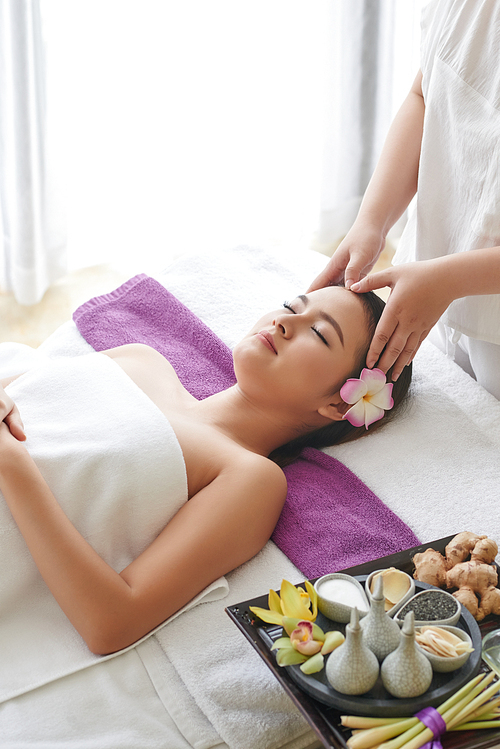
pixel 325 316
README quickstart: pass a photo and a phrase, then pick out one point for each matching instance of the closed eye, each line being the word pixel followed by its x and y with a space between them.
pixel 320 335
pixel 288 306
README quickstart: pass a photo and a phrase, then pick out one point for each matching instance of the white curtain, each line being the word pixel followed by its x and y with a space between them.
pixel 32 239
pixel 373 58
pixel 187 125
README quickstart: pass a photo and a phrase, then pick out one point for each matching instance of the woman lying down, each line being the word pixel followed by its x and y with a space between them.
pixel 102 507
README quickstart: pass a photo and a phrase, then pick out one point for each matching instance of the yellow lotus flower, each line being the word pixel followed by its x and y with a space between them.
pixel 295 603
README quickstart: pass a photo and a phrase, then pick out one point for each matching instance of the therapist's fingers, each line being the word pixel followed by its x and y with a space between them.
pixel 355 264
pixel 332 274
pixel 383 335
pixel 399 353
pixel 353 275
pixel 373 281
pixel 348 264
pixel 423 336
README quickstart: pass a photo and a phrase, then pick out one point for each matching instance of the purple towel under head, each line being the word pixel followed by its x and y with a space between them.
pixel 331 520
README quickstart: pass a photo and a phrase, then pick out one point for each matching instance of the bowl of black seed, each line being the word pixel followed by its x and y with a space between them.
pixel 431 607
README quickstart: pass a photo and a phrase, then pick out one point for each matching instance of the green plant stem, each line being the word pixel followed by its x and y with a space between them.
pixel 418 735
pixel 411 733
pixel 483 697
pixel 489 709
pixel 476 724
pixel 373 736
pixel 364 722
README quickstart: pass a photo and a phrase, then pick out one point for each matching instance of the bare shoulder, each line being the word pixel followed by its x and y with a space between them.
pixel 267 471
pixel 132 350
pixel 134 357
pixel 241 506
pixel 257 477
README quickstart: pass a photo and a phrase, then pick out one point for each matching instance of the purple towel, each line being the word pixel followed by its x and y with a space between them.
pixel 330 520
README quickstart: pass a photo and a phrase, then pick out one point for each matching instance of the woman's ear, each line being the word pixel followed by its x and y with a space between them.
pixel 334 410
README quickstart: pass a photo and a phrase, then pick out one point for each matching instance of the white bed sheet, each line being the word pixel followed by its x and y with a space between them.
pixel 199 684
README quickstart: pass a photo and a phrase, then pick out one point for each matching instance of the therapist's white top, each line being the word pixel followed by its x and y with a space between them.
pixel 458 203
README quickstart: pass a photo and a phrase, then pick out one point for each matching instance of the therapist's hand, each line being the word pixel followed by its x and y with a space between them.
pixel 418 298
pixel 9 414
pixel 353 259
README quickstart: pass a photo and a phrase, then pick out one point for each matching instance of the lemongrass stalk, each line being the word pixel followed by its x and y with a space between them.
pixel 451 701
pixel 468 703
pixel 428 735
pixel 476 702
pixel 360 721
pixel 489 708
pixel 373 736
pixel 484 716
pixel 460 707
pixel 470 694
pixel 412 736
pixel 477 724
pixel 399 741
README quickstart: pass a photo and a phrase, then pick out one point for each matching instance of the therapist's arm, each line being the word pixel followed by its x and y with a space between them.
pixel 391 188
pixel 420 293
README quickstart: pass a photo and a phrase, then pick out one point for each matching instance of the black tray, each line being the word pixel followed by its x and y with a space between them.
pixel 325 718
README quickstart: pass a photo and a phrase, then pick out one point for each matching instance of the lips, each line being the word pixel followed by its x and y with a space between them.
pixel 267 340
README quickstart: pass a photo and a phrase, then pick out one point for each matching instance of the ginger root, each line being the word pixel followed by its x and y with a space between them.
pixel 472 575
pixel 468 598
pixel 473 581
pixel 476 578
pixel 484 551
pixel 490 603
pixel 430 567
pixel 460 547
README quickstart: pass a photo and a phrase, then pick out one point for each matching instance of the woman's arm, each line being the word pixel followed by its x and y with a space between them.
pixel 7 380
pixel 391 188
pixel 221 527
pixel 420 294
pixel 9 412
pixel 394 181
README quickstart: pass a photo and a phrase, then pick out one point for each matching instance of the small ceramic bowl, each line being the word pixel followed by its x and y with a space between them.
pixel 410 592
pixel 433 599
pixel 444 665
pixel 338 595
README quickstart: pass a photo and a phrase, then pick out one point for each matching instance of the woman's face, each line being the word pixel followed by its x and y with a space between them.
pixel 304 351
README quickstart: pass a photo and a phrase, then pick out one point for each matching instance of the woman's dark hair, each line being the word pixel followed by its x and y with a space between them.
pixel 337 432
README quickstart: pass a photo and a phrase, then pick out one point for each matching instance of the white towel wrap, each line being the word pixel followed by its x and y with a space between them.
pixel 115 466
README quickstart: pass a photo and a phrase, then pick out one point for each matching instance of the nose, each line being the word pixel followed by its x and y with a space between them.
pixel 283 325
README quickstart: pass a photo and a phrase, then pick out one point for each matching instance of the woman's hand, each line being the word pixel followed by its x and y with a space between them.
pixel 11 452
pixel 353 259
pixel 419 296
pixel 9 414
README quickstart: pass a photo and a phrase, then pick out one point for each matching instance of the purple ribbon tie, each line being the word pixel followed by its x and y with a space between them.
pixel 433 720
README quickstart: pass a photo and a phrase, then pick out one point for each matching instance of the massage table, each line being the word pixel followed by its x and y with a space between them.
pixel 197 683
